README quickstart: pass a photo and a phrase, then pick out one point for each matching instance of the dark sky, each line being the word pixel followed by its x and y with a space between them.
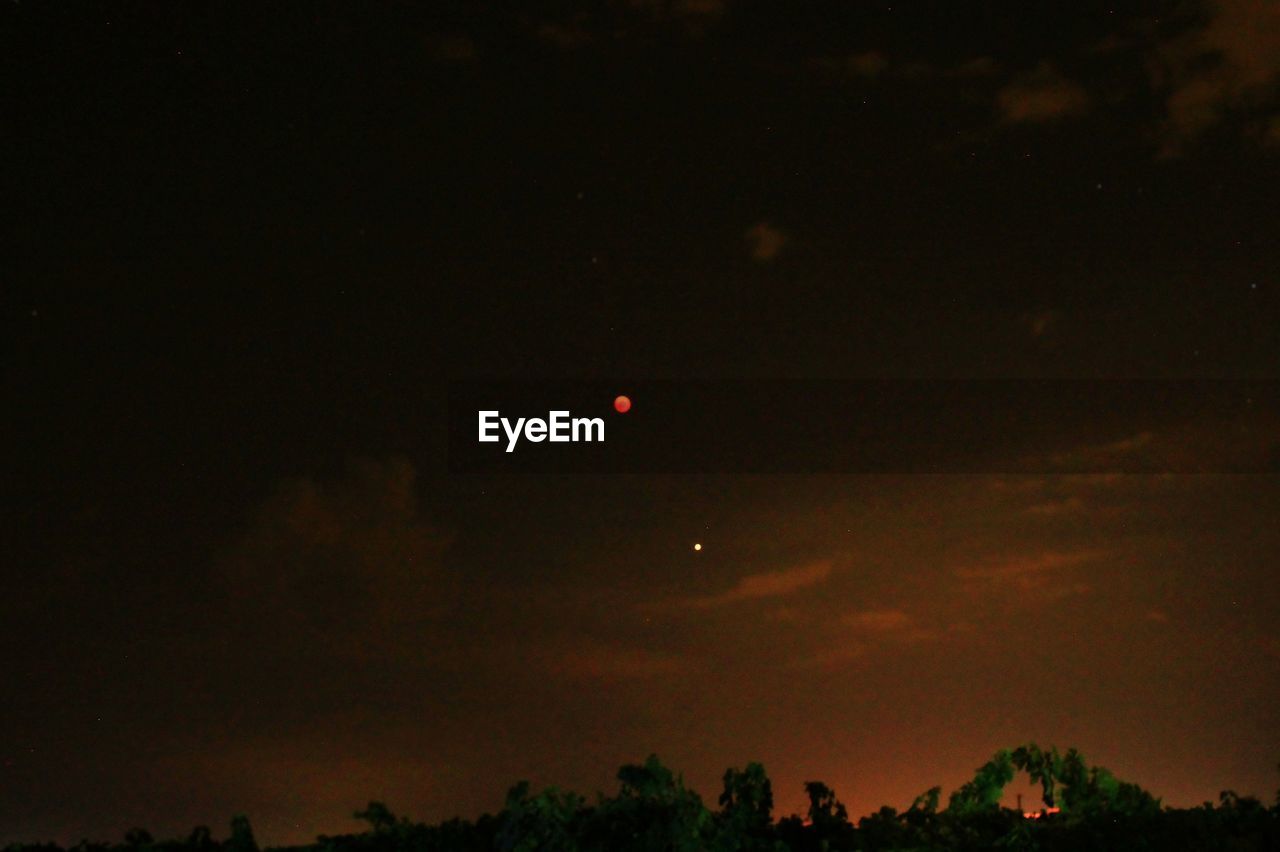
pixel 250 247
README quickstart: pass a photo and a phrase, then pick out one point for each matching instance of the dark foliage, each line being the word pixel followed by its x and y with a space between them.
pixel 1085 809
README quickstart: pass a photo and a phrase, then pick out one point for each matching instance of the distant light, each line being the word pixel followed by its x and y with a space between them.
pixel 698 546
pixel 622 404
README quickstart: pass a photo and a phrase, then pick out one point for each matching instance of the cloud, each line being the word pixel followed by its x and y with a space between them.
pixel 1111 43
pixel 1272 133
pixel 834 657
pixel 1040 96
pixel 887 625
pixel 785 615
pixel 981 66
pixel 769 584
pixel 1020 486
pixel 1040 323
pixel 871 63
pixel 565 36
pixel 765 241
pixel 1189 445
pixel 1112 454
pixel 1066 506
pixel 347 562
pixel 857 635
pixel 452 49
pixel 1230 61
pixel 1029 572
pixel 878 620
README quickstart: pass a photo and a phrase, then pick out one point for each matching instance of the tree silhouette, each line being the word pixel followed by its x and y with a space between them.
pixel 824 808
pixel 747 800
pixel 984 791
pixel 200 839
pixel 241 839
pixel 828 819
pixel 653 811
pixel 544 822
pixel 137 837
pixel 927 802
pixel 1042 768
pixel 1067 781
pixel 379 817
pixel 658 812
pixel 746 811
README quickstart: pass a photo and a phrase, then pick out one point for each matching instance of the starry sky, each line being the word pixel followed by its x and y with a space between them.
pixel 251 247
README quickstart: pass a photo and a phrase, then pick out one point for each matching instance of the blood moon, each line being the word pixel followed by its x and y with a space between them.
pixel 622 404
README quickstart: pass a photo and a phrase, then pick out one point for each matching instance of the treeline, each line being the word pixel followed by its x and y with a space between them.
pixel 1086 808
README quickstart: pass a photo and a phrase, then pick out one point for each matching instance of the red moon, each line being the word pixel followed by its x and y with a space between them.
pixel 622 404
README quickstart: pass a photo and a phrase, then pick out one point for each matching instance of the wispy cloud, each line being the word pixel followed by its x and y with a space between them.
pixel 981 66
pixel 879 620
pixel 859 635
pixel 834 656
pixel 1120 453
pixel 1040 323
pixel 1028 571
pixel 764 241
pixel 1271 136
pixel 890 625
pixel 1230 61
pixel 1041 95
pixel 1072 505
pixel 768 584
pixel 563 35
pixel 868 64
pixel 1189 445
pixel 347 563
pixel 456 49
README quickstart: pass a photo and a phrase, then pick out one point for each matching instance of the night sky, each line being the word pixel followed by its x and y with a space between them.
pixel 250 248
